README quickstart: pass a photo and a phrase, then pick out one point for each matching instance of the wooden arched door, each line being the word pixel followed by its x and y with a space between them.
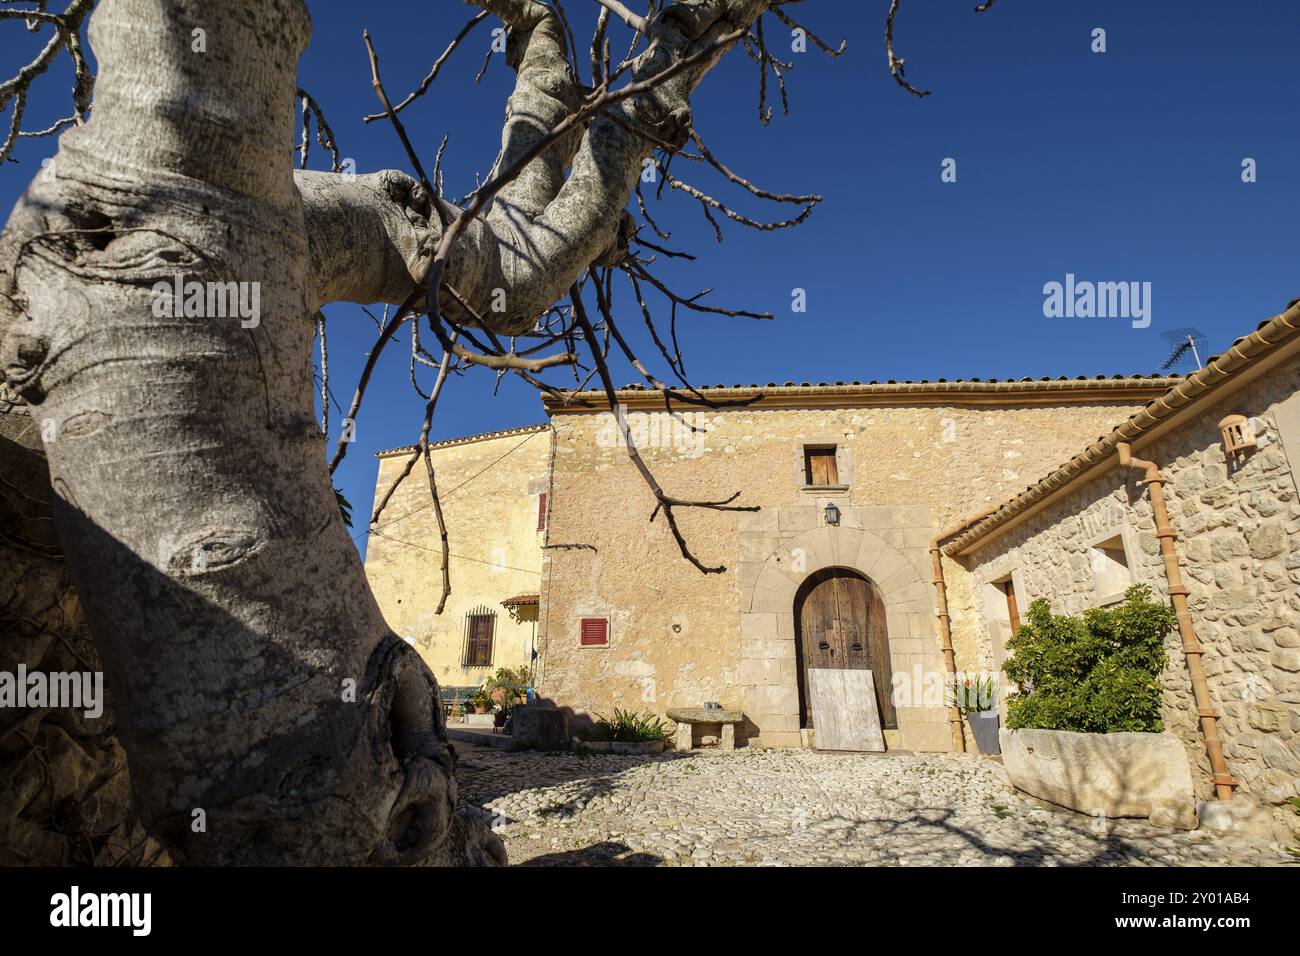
pixel 840 623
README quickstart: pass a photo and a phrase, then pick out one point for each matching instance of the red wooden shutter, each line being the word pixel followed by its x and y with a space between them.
pixel 595 630
pixel 541 512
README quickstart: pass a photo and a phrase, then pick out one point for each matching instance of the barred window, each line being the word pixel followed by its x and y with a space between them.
pixel 480 626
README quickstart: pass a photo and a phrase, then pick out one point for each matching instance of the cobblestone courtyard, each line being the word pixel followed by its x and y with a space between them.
pixel 798 808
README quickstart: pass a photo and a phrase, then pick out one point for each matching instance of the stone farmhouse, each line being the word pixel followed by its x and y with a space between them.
pixel 493 489
pixel 901 527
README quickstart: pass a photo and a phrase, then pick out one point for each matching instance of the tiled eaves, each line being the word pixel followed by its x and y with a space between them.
pixel 466 439
pixel 1213 382
pixel 828 394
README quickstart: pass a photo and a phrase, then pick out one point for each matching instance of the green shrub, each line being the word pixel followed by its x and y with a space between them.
pixel 513 680
pixel 629 727
pixel 1095 674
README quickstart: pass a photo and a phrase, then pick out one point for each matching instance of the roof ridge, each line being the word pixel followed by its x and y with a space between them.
pixel 1204 384
pixel 997 391
pixel 1116 377
pixel 467 439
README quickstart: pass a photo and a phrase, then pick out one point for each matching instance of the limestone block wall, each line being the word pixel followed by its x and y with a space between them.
pixel 1239 544
pixel 489 488
pixel 886 544
pixel 678 637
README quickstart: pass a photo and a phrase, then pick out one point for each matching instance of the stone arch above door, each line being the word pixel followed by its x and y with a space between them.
pixel 830 547
pixel 767 630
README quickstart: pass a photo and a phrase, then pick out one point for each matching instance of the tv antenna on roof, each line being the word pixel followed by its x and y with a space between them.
pixel 1187 346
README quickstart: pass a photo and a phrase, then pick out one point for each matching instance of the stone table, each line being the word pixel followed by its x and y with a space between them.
pixel 688 717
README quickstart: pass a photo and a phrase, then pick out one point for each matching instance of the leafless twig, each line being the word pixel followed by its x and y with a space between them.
pixel 433 71
pixel 896 63
pixel 67 35
pixel 663 501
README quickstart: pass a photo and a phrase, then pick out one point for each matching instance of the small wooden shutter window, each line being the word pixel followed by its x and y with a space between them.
pixel 478 645
pixel 1013 610
pixel 595 631
pixel 819 466
pixel 541 512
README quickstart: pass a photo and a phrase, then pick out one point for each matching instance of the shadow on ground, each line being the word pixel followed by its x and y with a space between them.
pixel 606 853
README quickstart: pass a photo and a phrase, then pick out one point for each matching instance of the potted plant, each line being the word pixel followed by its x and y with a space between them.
pixel 508 686
pixel 481 700
pixel 977 699
pixel 1085 730
pixel 502 703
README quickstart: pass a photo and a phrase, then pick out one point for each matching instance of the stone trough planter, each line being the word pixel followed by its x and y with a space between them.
pixel 629 747
pixel 1112 775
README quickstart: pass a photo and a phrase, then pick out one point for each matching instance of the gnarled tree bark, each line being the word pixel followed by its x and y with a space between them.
pixel 268 713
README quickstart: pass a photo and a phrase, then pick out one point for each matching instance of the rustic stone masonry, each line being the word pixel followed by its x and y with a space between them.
pixel 1238 540
pixel 491 486
pixel 910 458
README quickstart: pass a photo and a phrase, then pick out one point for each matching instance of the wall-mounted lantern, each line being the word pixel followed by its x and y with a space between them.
pixel 1238 436
pixel 832 513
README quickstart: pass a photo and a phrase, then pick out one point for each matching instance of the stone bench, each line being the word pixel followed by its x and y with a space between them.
pixel 688 717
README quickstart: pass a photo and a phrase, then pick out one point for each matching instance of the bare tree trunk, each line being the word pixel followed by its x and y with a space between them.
pixel 268 714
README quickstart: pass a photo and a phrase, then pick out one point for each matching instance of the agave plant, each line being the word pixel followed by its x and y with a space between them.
pixel 631 726
pixel 977 695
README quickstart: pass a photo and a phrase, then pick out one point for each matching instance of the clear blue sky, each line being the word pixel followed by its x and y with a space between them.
pixel 1117 166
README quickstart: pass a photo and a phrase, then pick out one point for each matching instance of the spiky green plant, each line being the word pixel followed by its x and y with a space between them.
pixel 629 726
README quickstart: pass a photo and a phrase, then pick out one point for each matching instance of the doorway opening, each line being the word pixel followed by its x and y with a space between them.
pixel 839 619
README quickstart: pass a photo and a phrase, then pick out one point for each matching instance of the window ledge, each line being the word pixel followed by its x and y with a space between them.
pixel 1106 600
pixel 824 489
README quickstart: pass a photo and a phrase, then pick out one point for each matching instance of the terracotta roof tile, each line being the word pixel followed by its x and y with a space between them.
pixel 1205 384
pixel 467 439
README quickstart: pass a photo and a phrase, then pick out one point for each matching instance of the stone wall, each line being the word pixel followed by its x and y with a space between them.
pixel 489 488
pixel 678 636
pixel 1238 530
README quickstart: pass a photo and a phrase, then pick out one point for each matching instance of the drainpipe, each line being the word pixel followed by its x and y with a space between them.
pixel 1192 649
pixel 945 627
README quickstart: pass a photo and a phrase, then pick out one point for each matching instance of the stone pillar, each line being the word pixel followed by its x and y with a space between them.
pixel 683 735
pixel 728 737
